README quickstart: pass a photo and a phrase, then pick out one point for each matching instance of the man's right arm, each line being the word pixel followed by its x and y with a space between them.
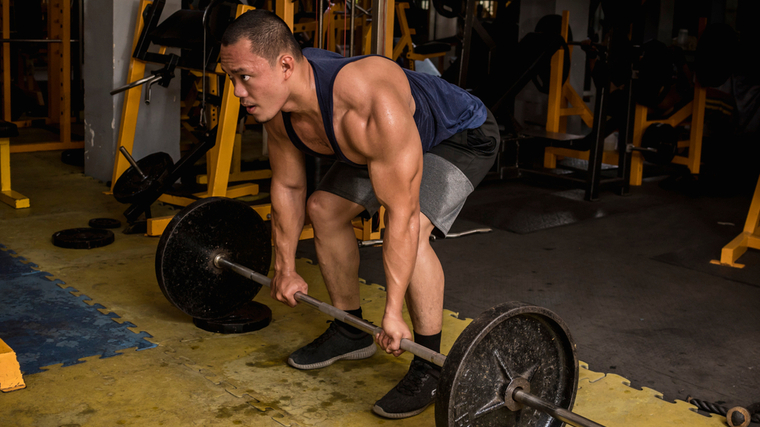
pixel 288 193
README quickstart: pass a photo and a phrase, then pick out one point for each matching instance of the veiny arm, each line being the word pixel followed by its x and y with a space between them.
pixel 288 193
pixel 380 128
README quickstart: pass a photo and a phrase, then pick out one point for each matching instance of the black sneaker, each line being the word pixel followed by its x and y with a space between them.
pixel 333 345
pixel 412 395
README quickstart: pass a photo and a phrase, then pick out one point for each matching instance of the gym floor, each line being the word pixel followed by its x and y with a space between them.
pixel 629 275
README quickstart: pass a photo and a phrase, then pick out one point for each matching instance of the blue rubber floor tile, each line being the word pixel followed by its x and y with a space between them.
pixel 46 325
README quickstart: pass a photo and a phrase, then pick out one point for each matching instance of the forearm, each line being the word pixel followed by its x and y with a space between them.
pixel 399 257
pixel 288 213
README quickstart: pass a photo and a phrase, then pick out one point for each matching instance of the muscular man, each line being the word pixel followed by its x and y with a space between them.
pixel 403 140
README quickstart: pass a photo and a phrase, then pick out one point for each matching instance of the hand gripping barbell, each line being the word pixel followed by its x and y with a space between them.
pixel 513 365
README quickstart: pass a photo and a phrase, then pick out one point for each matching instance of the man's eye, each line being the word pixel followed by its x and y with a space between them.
pixel 245 78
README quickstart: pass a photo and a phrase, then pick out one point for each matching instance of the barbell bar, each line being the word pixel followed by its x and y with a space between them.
pixel 36 41
pixel 517 388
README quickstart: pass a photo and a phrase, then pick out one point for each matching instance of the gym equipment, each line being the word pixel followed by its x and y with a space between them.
pixel 515 363
pixel 552 25
pixel 150 171
pixel 83 238
pixel 60 68
pixel 749 238
pixel 659 144
pixel 735 417
pixel 249 317
pixel 196 33
pixel 147 179
pixel 7 195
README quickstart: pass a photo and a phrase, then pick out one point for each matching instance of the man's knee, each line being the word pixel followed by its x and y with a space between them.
pixel 323 207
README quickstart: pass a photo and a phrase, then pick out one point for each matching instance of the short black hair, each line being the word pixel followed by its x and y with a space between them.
pixel 268 33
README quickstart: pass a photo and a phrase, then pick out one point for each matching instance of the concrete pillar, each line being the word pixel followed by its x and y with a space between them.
pixel 107 50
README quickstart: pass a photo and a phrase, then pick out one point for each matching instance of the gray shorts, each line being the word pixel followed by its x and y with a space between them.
pixel 451 171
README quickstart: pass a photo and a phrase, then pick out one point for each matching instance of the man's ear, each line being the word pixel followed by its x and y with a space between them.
pixel 286 64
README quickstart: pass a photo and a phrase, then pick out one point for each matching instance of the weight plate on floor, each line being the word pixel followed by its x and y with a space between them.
pixel 507 341
pixel 249 317
pixel 194 237
pixel 104 223
pixel 131 186
pixel 83 238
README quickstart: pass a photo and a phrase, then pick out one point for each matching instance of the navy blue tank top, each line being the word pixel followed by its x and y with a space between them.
pixel 442 109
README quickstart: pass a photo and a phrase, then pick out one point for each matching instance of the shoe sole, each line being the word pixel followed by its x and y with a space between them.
pixel 362 353
pixel 379 411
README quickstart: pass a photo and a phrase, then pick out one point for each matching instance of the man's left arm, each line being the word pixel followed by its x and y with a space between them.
pixel 394 161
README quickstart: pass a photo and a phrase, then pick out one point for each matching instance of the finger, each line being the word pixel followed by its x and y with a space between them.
pixel 291 299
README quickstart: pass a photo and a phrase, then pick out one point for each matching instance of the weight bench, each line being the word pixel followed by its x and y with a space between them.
pixel 12 198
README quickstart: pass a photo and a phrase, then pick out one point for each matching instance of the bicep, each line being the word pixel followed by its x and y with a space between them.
pixel 394 156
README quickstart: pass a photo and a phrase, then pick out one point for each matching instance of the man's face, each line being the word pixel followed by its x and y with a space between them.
pixel 260 87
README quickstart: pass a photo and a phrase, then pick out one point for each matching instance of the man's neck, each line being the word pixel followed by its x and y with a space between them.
pixel 303 100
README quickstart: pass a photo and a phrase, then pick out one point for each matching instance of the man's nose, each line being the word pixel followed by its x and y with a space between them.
pixel 240 91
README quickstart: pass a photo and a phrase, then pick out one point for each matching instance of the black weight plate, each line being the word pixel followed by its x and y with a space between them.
pixel 509 340
pixel 717 55
pixel 82 238
pixel 249 317
pixel 104 223
pixel 130 186
pixel 663 138
pixel 194 237
pixel 552 24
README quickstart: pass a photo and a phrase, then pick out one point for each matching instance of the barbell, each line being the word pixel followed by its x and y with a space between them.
pixel 513 365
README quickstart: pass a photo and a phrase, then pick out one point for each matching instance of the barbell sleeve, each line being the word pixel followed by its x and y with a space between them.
pixel 407 345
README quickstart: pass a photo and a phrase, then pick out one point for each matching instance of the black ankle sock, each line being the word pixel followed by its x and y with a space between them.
pixel 432 342
pixel 348 328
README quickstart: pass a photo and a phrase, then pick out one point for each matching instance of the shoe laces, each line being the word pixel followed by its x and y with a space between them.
pixel 329 333
pixel 415 379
